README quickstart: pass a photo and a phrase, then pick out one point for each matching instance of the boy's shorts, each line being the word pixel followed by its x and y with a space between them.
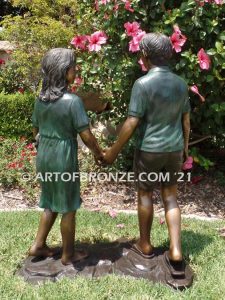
pixel 153 168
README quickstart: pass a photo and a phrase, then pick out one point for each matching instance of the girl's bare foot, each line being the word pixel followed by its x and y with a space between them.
pixel 78 255
pixel 44 251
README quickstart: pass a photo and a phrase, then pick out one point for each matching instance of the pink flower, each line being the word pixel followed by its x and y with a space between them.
pixel 105 1
pixel 2 61
pixel 142 65
pixel 73 89
pixel 203 59
pixel 177 39
pixel 134 43
pixel 116 7
pixel 79 41
pixel 195 90
pixel 97 39
pixel 96 5
pixel 132 28
pixel 113 213
pixel 188 164
pixel 106 16
pixel 196 179
pixel 78 81
pixel 161 221
pixel 30 146
pixel 128 6
pixel 21 90
pixel 120 225
pixel 202 2
pixel 12 165
pixel 219 2
pixel 176 29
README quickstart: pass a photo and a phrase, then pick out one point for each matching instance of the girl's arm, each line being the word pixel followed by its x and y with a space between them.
pixel 35 131
pixel 91 142
pixel 125 134
pixel 186 132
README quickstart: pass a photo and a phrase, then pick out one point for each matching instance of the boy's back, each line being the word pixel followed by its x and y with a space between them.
pixel 159 99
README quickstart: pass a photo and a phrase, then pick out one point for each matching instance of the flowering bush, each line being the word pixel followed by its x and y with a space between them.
pixel 106 33
pixel 196 32
pixel 17 158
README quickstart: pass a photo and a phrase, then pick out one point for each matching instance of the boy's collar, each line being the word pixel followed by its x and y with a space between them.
pixel 159 69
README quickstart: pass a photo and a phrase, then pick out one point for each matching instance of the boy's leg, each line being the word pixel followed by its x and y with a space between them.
pixel 145 217
pixel 173 220
pixel 68 239
pixel 39 248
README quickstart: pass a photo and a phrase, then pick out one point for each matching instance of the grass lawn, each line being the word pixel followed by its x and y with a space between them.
pixel 202 246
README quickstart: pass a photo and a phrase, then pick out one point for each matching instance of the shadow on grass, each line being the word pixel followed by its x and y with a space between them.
pixel 193 243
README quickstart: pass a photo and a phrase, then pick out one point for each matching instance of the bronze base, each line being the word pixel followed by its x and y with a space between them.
pixel 106 258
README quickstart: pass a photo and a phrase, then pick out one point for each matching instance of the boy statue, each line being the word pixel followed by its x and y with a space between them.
pixel 160 110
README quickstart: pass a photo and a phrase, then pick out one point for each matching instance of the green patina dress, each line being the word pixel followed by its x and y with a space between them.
pixel 59 123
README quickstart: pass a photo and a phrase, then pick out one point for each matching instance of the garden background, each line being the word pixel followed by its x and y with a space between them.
pixel 105 36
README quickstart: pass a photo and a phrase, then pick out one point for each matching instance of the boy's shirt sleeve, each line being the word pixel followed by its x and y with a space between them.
pixel 186 105
pixel 137 106
pixel 79 116
pixel 35 116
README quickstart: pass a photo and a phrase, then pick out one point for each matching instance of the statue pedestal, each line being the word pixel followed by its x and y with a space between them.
pixel 106 258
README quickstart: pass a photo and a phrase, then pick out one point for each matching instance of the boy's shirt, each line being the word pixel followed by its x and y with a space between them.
pixel 159 99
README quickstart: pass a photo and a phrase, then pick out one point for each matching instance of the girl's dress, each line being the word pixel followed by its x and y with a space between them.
pixel 57 161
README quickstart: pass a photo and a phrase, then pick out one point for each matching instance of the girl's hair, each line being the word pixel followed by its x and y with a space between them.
pixel 55 65
pixel 157 47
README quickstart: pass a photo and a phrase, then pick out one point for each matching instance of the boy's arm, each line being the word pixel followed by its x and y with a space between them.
pixel 186 132
pixel 125 134
pixel 91 142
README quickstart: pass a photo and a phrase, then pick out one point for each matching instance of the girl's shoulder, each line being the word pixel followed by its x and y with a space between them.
pixel 71 97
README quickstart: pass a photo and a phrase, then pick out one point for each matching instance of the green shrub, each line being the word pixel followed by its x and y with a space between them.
pixel 15 114
pixel 45 25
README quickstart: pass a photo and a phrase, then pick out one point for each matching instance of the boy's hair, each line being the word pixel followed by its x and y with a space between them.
pixel 55 65
pixel 156 47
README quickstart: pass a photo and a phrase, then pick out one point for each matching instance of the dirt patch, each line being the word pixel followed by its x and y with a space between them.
pixel 205 198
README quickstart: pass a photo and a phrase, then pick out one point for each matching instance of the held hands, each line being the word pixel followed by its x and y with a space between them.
pixel 109 156
pixel 99 160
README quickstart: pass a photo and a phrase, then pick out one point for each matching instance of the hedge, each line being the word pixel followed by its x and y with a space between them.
pixel 15 114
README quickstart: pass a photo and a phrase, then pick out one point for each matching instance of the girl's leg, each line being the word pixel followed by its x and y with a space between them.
pixel 173 220
pixel 68 239
pixel 39 248
pixel 145 217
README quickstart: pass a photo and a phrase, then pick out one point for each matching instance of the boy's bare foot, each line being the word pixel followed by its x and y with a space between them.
pixel 176 267
pixel 44 251
pixel 175 255
pixel 78 255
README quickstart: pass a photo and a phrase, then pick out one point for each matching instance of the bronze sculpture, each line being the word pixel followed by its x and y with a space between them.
pixel 159 109
pixel 58 117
